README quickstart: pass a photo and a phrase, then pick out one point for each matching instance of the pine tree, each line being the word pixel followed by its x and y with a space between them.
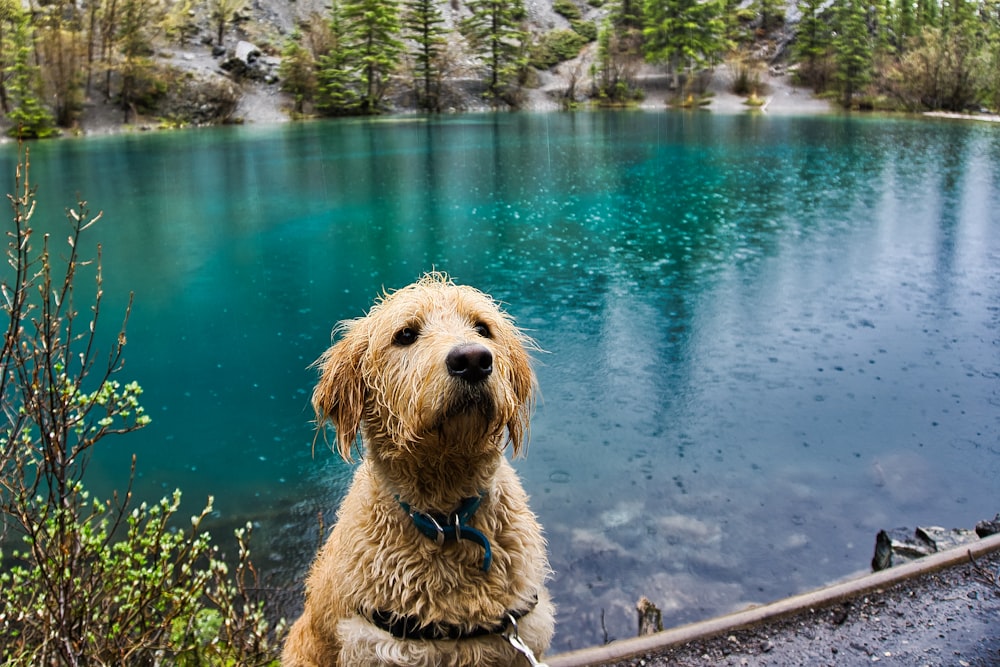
pixel 223 12
pixel 927 13
pixel 423 25
pixel 297 71
pixel 627 13
pixel 179 22
pixel 617 55
pixel 373 28
pixel 812 43
pixel 687 33
pixel 495 28
pixel 771 12
pixel 907 23
pixel 854 51
pixel 137 20
pixel 30 118
pixel 336 71
pixel 10 11
pixel 882 24
pixel 62 53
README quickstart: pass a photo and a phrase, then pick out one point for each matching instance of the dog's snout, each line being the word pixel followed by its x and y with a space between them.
pixel 471 362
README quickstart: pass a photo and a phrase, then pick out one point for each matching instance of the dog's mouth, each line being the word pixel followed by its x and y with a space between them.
pixel 470 401
pixel 470 412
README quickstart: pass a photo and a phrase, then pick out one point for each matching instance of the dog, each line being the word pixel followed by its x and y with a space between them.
pixel 435 558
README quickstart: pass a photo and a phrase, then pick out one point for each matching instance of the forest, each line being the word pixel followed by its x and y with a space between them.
pixel 348 57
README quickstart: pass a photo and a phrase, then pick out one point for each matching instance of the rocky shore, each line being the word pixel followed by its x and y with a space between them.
pixel 216 87
pixel 942 611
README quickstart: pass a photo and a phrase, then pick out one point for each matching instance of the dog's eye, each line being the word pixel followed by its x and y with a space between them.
pixel 406 336
pixel 482 329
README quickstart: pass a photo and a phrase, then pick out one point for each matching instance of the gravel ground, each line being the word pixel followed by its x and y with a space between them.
pixel 949 617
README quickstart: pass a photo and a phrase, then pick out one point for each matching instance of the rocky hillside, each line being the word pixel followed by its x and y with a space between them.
pixel 238 82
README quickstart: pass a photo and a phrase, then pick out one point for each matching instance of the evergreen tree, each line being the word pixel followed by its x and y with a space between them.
pixel 336 71
pixel 62 54
pixel 907 22
pixel 963 16
pixel 179 22
pixel 927 13
pixel 495 29
pixel 689 33
pixel 628 14
pixel 137 21
pixel 223 12
pixel 812 43
pixel 771 13
pixel 30 118
pixel 617 58
pixel 882 24
pixel 423 25
pixel 373 28
pixel 10 11
pixel 104 15
pixel 853 48
pixel 297 71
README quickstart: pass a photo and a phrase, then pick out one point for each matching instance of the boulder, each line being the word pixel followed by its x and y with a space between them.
pixel 986 528
pixel 900 545
pixel 247 62
pixel 200 100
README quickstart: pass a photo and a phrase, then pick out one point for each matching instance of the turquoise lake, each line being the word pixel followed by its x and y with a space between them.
pixel 765 338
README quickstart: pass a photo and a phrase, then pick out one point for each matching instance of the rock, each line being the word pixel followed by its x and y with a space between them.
pixel 247 62
pixel 942 539
pixel 883 552
pixel 246 52
pixel 200 100
pixel 899 545
pixel 986 528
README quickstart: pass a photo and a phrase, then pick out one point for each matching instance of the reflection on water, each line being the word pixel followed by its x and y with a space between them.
pixel 765 338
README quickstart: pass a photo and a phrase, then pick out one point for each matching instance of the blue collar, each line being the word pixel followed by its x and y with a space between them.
pixel 452 527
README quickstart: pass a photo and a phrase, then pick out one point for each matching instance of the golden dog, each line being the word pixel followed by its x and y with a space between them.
pixel 436 558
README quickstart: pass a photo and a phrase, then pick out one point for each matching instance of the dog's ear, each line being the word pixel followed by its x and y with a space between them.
pixel 339 396
pixel 525 386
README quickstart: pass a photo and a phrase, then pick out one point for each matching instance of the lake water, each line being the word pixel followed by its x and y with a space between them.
pixel 766 338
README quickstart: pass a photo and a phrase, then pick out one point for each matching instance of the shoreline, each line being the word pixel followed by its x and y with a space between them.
pixel 264 105
pixel 938 607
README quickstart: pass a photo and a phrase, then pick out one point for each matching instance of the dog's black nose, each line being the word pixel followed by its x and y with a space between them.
pixel 471 362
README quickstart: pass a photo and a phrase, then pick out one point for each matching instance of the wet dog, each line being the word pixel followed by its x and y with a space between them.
pixel 436 558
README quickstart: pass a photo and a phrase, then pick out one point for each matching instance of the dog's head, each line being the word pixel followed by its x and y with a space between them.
pixel 433 362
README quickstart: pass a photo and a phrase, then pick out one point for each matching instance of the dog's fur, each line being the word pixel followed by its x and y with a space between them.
pixel 431 439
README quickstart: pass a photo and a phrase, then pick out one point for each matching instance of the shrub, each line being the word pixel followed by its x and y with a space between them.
pixel 567 8
pixel 554 47
pixel 745 71
pixel 586 29
pixel 942 70
pixel 95 582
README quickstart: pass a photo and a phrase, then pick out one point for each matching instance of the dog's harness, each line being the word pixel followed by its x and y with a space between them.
pixel 452 527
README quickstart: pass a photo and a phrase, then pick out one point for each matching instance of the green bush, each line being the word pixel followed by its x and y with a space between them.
pixel 586 29
pixel 567 8
pixel 554 47
pixel 86 582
